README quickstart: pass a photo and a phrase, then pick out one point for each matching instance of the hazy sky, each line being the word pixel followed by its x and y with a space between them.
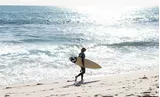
pixel 70 3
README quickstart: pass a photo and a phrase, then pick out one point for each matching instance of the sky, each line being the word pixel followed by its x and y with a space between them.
pixel 72 3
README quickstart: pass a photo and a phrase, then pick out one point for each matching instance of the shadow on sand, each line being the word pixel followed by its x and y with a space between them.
pixel 80 83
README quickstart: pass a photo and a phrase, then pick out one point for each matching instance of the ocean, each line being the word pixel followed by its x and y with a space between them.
pixel 37 41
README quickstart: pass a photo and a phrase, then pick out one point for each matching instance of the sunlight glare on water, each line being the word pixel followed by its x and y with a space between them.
pixel 103 14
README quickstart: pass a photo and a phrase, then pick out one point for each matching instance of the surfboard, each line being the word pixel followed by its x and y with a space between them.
pixel 88 63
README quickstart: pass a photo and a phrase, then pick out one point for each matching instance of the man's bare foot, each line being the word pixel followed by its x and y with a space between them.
pixel 82 81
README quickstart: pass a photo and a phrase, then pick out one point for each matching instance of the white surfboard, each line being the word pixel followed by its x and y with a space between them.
pixel 88 63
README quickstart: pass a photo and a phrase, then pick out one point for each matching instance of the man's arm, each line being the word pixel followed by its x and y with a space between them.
pixel 83 62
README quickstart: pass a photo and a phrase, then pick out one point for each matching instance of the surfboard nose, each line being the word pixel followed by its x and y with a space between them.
pixel 73 59
pixel 70 58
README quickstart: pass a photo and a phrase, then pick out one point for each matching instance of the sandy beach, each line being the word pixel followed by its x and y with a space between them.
pixel 137 84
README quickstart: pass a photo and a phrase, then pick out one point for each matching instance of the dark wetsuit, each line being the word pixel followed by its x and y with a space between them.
pixel 82 55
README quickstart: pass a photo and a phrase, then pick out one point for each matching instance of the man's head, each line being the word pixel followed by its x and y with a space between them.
pixel 83 49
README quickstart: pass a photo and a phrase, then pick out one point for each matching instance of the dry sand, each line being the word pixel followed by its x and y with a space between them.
pixel 137 84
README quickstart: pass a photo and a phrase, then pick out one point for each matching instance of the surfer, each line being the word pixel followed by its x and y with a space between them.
pixel 82 71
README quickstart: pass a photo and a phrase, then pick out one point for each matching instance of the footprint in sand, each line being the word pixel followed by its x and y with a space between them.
pixel 99 95
pixel 9 87
pixel 144 77
pixel 39 84
pixel 6 95
pixel 130 95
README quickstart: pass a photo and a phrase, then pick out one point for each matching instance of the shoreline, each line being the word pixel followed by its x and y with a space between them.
pixel 134 84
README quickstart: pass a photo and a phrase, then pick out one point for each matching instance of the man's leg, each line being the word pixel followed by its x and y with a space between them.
pixel 77 76
pixel 83 71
